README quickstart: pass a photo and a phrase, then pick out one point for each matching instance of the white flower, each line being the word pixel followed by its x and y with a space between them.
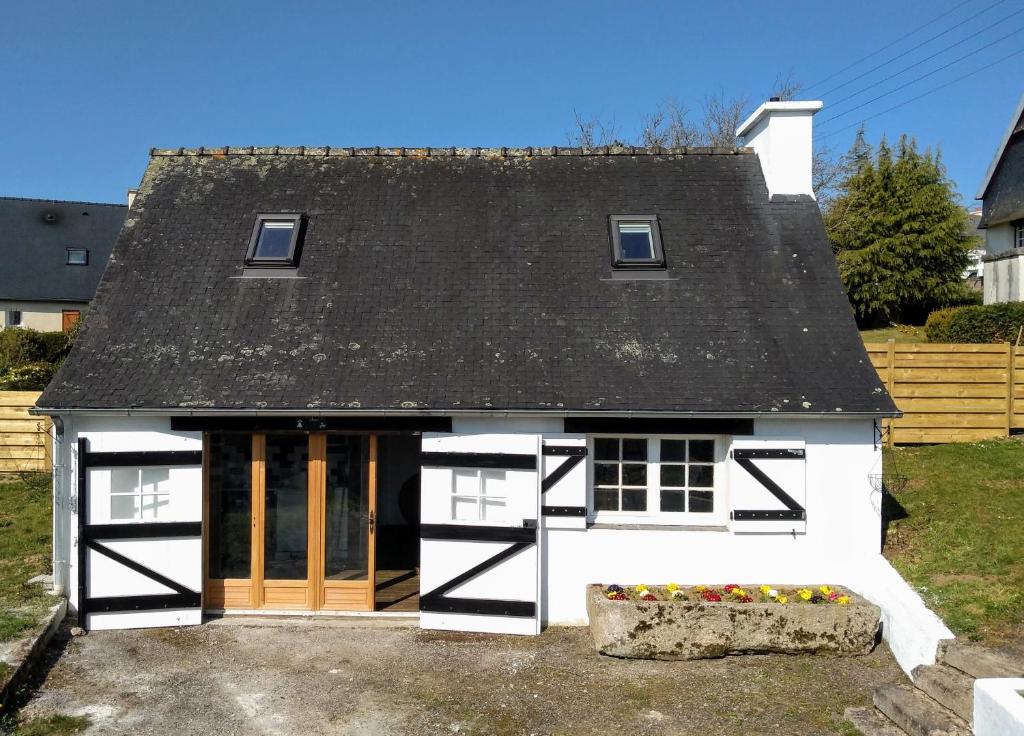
pixel 772 593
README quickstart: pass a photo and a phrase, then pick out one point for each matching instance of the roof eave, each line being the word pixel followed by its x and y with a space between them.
pixel 999 151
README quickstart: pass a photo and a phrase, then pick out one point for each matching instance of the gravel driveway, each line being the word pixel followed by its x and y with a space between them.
pixel 332 677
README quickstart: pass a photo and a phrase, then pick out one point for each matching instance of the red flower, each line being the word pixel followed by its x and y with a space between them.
pixel 620 596
pixel 746 599
pixel 730 587
pixel 649 597
pixel 710 595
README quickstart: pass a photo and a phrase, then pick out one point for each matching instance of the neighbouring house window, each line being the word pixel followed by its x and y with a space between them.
pixel 478 495
pixel 1018 234
pixel 14 318
pixel 275 241
pixel 654 476
pixel 78 256
pixel 636 242
pixel 137 494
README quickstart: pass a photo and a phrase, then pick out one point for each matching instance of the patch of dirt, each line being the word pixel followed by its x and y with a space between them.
pixel 349 679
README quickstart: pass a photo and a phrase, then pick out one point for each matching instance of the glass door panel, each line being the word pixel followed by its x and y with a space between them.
pixel 346 508
pixel 286 515
pixel 230 530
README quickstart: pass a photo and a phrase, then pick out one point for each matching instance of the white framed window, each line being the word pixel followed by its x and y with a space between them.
pixel 1018 234
pixel 139 494
pixel 478 495
pixel 674 480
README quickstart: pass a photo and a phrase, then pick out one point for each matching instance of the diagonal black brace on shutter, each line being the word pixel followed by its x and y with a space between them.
pixel 561 471
pixel 437 602
pixel 136 567
pixel 573 455
pixel 744 458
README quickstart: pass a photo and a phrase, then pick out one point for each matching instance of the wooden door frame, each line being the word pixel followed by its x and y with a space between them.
pixel 319 593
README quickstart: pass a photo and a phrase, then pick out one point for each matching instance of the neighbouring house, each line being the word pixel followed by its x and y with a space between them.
pixel 974 274
pixel 1002 196
pixel 464 383
pixel 54 253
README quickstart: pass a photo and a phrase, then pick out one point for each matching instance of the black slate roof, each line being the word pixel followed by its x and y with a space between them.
pixel 1004 195
pixel 34 236
pixel 460 279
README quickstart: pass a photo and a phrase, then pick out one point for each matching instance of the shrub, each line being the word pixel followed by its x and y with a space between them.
pixel 27 377
pixel 936 329
pixel 54 346
pixel 982 324
pixel 19 346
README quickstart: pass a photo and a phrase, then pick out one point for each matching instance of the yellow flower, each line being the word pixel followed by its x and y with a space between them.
pixel 671 587
pixel 739 592
pixel 700 588
pixel 843 600
pixel 641 589
pixel 804 594
pixel 825 590
pixel 782 599
pixel 765 589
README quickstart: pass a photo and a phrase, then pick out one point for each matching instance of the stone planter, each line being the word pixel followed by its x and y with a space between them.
pixel 700 630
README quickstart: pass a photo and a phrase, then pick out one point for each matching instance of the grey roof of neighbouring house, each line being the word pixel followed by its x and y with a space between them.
pixel 1002 190
pixel 460 279
pixel 34 237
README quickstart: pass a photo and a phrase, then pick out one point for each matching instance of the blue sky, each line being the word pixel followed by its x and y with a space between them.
pixel 90 87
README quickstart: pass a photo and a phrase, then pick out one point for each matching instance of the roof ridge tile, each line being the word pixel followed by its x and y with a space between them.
pixel 449 151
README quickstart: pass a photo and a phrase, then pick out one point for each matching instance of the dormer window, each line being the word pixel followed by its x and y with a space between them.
pixel 275 241
pixel 636 242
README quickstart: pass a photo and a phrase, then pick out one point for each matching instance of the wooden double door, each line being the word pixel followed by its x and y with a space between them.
pixel 290 521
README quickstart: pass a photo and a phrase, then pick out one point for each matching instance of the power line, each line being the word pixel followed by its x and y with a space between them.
pixel 924 94
pixel 889 45
pixel 929 58
pixel 920 78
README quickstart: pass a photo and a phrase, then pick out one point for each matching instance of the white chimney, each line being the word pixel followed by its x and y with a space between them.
pixel 780 134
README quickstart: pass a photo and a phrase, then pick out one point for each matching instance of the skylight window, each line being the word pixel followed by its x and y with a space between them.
pixel 78 256
pixel 636 242
pixel 275 241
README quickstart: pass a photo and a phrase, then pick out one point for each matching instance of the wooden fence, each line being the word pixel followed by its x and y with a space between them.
pixel 951 393
pixel 24 439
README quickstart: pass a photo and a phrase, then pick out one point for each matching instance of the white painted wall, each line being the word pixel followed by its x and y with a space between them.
pixel 178 559
pixel 781 135
pixel 41 316
pixel 843 528
pixel 1004 279
pixel 999 707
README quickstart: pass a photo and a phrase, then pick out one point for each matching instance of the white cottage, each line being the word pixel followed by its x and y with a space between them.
pixel 464 383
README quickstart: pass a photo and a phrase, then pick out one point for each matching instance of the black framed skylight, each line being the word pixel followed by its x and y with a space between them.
pixel 636 242
pixel 275 242
pixel 77 257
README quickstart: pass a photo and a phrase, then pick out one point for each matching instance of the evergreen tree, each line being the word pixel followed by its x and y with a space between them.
pixel 898 232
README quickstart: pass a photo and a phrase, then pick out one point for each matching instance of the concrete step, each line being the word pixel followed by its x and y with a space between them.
pixel 872 723
pixel 981 662
pixel 916 713
pixel 947 686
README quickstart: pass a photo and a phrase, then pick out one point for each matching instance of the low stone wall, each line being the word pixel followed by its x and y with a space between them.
pixel 671 629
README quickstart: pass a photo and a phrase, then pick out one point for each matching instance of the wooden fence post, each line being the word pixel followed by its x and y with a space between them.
pixel 1011 355
pixel 890 383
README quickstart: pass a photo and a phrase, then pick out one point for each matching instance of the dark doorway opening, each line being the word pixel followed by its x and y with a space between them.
pixel 398 523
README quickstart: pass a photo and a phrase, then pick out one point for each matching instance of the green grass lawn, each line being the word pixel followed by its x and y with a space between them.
pixel 25 531
pixel 962 543
pixel 899 333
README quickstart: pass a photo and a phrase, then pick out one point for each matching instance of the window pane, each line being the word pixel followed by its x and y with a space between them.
pixel 702 476
pixel 230 532
pixel 635 241
pixel 606 474
pixel 606 448
pixel 275 239
pixel 464 508
pixel 152 504
pixel 286 524
pixel 346 508
pixel 634 474
pixel 466 482
pixel 124 508
pixel 78 256
pixel 634 499
pixel 124 480
pixel 673 450
pixel 493 483
pixel 634 450
pixel 673 500
pixel 673 475
pixel 156 480
pixel 702 451
pixel 606 500
pixel 493 509
pixel 702 502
